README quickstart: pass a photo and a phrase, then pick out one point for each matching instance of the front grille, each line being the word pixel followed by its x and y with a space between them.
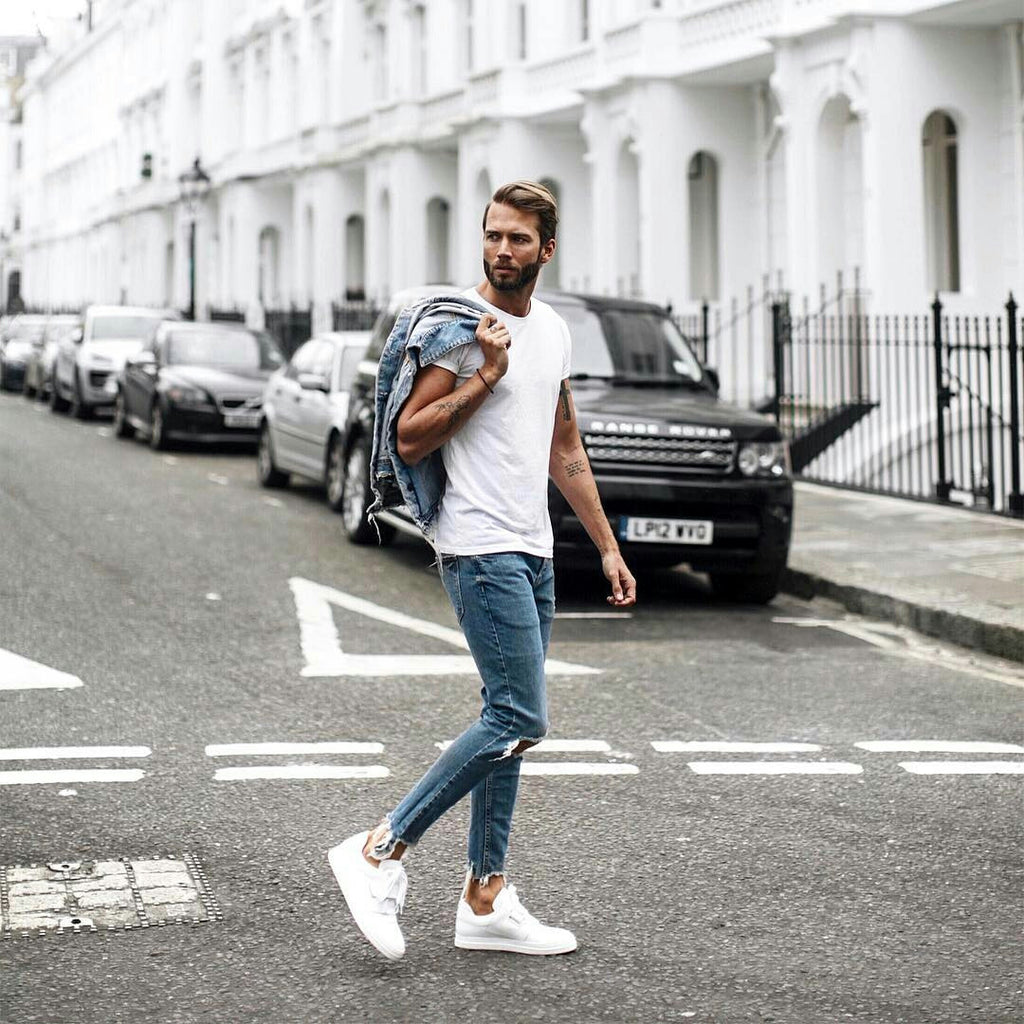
pixel 97 378
pixel 701 456
pixel 240 401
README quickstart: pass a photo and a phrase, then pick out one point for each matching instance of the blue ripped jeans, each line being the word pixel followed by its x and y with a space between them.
pixel 505 604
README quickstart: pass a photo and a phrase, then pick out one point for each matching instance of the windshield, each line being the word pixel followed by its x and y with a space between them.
pixel 237 350
pixel 630 346
pixel 27 330
pixel 123 328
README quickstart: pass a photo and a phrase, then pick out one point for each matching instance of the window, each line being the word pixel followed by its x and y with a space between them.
pixel 469 57
pixel 306 359
pixel 418 50
pixel 521 48
pixel 380 52
pixel 584 16
pixel 941 197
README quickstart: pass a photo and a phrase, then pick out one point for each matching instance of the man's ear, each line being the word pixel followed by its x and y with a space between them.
pixel 547 251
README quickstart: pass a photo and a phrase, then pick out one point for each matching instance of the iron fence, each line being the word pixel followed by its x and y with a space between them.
pixel 921 406
pixel 291 327
pixel 231 316
pixel 354 315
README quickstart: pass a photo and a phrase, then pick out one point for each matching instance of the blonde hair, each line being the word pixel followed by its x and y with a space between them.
pixel 533 197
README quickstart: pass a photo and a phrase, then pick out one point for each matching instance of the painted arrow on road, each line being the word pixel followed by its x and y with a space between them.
pixel 18 673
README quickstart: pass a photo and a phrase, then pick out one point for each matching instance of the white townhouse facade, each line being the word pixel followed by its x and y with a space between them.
pixel 696 147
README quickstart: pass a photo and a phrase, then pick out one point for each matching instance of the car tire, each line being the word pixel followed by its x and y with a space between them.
pixel 58 403
pixel 741 588
pixel 357 498
pixel 157 431
pixel 268 473
pixel 334 476
pixel 28 391
pixel 122 428
pixel 79 409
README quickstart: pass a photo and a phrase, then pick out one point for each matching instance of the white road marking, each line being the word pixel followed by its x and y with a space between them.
pixel 593 615
pixel 775 768
pixel 217 478
pixel 49 776
pixel 576 768
pixel 302 771
pixel 963 767
pixel 70 753
pixel 18 673
pixel 171 460
pixel 729 747
pixel 321 644
pixel 104 431
pixel 68 792
pixel 556 747
pixel 273 502
pixel 280 749
pixel 213 597
pixel 938 747
pixel 901 642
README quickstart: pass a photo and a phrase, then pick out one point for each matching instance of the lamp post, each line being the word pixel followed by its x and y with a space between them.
pixel 194 184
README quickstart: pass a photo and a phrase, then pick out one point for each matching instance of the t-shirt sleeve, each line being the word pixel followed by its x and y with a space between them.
pixel 455 360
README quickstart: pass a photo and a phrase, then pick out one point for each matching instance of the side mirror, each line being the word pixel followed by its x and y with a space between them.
pixel 711 375
pixel 313 382
pixel 144 361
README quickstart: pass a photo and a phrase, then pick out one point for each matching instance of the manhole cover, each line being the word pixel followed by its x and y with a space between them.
pixel 104 895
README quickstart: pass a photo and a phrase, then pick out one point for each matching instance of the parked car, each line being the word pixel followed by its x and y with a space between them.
pixel 196 382
pixel 87 363
pixel 39 368
pixel 305 408
pixel 16 347
pixel 684 477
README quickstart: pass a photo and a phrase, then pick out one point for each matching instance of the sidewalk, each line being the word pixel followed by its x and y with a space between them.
pixel 947 572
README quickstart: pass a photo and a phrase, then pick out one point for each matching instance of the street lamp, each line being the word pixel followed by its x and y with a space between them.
pixel 194 184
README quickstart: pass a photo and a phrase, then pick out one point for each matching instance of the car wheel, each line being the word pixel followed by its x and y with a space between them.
pixel 757 588
pixel 269 475
pixel 122 428
pixel 336 474
pixel 28 390
pixel 157 430
pixel 357 498
pixel 79 409
pixel 58 403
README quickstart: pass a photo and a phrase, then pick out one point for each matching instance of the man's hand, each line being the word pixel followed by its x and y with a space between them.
pixel 623 585
pixel 494 339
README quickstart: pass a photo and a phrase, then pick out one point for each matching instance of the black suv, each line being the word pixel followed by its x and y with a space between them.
pixel 684 478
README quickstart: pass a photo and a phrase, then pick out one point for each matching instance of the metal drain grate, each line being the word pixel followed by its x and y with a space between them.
pixel 71 897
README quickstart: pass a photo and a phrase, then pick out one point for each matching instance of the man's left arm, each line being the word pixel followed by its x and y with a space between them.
pixel 569 467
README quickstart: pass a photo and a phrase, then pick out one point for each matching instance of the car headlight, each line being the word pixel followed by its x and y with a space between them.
pixel 188 396
pixel 764 458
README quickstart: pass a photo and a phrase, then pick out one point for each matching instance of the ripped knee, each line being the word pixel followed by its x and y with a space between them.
pixel 514 748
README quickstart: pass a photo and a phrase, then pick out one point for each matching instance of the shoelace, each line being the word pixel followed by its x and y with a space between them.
pixel 389 887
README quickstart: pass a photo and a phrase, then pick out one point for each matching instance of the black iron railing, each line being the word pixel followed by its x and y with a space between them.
pixel 291 327
pixel 354 315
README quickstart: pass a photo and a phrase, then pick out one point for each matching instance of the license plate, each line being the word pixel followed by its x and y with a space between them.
pixel 666 531
pixel 246 420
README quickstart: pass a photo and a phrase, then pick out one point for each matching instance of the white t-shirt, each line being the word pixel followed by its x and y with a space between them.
pixel 496 498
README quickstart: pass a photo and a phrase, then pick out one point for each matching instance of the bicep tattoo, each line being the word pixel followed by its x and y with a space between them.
pixel 563 394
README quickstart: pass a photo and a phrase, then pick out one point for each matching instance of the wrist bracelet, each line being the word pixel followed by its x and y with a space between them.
pixel 484 379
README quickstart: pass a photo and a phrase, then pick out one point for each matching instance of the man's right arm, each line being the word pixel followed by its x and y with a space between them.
pixel 436 409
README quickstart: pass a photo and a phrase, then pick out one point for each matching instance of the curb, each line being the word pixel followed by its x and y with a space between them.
pixel 1003 641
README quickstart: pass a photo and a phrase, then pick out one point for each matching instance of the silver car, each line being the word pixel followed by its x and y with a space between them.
pixel 88 362
pixel 39 368
pixel 305 406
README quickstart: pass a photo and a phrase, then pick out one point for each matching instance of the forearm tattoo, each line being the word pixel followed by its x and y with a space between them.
pixel 576 467
pixel 563 394
pixel 454 409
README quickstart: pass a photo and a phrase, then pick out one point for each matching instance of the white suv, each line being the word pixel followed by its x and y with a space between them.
pixel 89 359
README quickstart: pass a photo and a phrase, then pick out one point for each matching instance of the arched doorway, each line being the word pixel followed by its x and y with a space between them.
pixel 627 234
pixel 355 258
pixel 438 241
pixel 269 283
pixel 941 202
pixel 553 271
pixel 702 192
pixel 840 191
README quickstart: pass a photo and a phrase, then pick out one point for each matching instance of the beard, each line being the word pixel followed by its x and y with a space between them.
pixel 526 275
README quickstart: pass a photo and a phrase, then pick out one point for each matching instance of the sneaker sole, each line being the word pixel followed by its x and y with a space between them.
pixel 504 946
pixel 333 856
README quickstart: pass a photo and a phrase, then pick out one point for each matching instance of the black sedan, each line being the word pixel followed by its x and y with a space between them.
pixel 196 382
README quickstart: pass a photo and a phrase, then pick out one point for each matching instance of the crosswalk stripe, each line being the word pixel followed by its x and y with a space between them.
pixel 775 768
pixel 302 771
pixel 18 673
pixel 280 749
pixel 58 775
pixel 963 767
pixel 577 768
pixel 938 747
pixel 728 747
pixel 556 746
pixel 70 753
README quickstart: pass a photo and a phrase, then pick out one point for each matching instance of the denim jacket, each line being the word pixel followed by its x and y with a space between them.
pixel 422 334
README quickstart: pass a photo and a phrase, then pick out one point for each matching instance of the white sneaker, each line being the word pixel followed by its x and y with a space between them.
pixel 374 894
pixel 510 928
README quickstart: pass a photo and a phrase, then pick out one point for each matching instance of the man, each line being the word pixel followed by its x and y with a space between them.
pixel 500 411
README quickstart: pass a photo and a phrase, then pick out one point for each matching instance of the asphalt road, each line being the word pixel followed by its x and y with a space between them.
pixel 172 587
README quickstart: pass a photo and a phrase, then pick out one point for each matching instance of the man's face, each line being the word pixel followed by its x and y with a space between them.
pixel 513 254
